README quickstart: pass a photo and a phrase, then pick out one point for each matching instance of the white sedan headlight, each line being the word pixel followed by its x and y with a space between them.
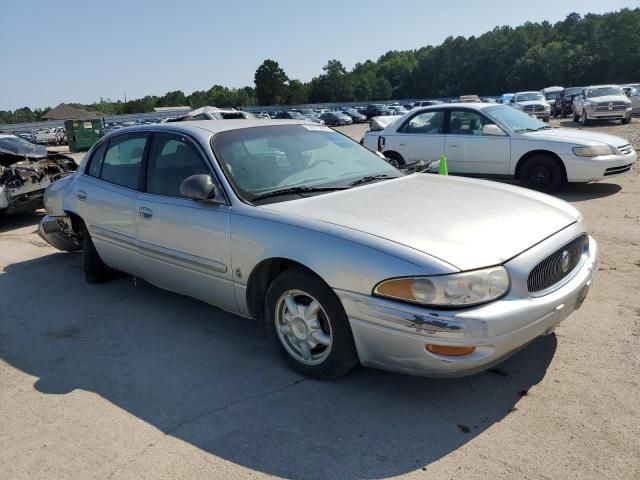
pixel 594 151
pixel 454 290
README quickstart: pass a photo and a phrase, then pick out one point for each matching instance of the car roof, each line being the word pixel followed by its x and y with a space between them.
pixel 211 126
pixel 528 91
pixel 474 105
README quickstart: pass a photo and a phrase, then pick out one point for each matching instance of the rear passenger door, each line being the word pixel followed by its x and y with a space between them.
pixel 421 137
pixel 184 244
pixel 105 196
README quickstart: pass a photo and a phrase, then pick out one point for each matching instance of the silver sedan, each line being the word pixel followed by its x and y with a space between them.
pixel 344 258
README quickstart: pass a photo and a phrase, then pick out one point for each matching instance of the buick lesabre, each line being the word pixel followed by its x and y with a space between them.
pixel 346 259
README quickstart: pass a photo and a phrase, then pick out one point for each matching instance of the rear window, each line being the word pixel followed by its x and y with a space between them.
pixel 121 164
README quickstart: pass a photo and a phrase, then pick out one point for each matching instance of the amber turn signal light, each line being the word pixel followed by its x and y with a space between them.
pixel 449 350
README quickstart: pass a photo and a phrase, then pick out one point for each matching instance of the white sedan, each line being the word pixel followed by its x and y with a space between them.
pixel 499 141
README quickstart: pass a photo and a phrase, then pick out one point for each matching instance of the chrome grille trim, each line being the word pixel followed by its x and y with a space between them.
pixel 548 275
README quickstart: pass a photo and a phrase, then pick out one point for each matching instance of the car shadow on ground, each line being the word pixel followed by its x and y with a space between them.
pixel 211 379
pixel 575 192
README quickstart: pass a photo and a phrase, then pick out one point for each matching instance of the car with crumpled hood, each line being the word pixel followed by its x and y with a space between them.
pixel 26 169
pixel 344 258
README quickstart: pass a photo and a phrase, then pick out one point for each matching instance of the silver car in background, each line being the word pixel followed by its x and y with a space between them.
pixel 346 259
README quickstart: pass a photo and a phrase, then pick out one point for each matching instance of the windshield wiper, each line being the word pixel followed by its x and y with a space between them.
pixel 294 190
pixel 370 178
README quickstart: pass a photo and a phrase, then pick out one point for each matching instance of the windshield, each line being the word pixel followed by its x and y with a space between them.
pixel 525 97
pixel 296 115
pixel 260 160
pixel 603 91
pixel 572 91
pixel 513 119
pixel 552 96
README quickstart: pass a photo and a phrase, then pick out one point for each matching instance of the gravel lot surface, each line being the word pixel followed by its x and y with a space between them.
pixel 125 381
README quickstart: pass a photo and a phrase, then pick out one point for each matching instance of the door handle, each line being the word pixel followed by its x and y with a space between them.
pixel 145 213
pixel 453 145
pixel 81 195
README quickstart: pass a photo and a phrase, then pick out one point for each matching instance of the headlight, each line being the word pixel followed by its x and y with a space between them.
pixel 594 151
pixel 547 107
pixel 455 290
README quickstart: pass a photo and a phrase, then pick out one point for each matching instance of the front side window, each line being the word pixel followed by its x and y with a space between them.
pixel 426 123
pixel 122 160
pixel 261 160
pixel 465 122
pixel 172 158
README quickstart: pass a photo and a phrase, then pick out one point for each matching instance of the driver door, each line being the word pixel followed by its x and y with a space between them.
pixel 184 244
pixel 472 152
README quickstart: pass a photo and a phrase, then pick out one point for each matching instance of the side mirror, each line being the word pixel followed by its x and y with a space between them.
pixel 199 187
pixel 513 100
pixel 492 129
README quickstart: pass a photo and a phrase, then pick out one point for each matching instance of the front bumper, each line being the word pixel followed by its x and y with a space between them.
pixel 392 335
pixel 617 115
pixel 583 169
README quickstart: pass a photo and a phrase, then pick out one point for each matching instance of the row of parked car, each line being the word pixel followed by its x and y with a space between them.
pixel 596 102
pixel 45 136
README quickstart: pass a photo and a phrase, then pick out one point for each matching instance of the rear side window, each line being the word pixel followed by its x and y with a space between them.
pixel 121 164
pixel 172 158
pixel 95 164
pixel 426 123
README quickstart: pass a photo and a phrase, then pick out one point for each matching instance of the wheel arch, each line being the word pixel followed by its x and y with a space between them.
pixel 393 155
pixel 547 153
pixel 261 277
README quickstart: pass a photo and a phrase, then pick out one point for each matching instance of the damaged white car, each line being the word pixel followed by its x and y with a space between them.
pixel 26 169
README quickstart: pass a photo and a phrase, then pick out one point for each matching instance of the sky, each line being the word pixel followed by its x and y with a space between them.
pixel 80 51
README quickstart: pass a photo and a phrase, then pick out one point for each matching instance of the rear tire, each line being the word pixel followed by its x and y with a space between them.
pixel 95 270
pixel 542 173
pixel 316 342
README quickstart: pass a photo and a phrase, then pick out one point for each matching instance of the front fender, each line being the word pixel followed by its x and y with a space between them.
pixel 353 264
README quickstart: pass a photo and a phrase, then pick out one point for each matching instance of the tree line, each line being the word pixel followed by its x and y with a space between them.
pixel 575 51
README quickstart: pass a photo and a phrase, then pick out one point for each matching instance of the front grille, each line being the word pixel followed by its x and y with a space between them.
pixel 534 108
pixel 626 149
pixel 617 170
pixel 557 266
pixel 611 107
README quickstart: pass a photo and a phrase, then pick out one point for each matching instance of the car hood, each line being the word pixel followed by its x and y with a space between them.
pixel 467 223
pixel 575 136
pixel 609 98
pixel 533 102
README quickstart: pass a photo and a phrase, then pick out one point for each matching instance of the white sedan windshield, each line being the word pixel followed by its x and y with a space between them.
pixel 513 119
pixel 266 159
pixel 603 91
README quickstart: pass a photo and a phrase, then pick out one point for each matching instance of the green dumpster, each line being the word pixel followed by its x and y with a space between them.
pixel 82 134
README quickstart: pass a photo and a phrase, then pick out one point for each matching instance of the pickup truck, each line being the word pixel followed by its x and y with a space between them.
pixel 601 102
pixel 45 136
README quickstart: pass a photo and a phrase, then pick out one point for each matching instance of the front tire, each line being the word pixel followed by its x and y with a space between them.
pixel 95 270
pixel 542 173
pixel 307 323
pixel 584 121
pixel 626 121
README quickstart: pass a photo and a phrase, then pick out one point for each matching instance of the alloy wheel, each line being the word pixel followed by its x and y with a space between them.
pixel 303 327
